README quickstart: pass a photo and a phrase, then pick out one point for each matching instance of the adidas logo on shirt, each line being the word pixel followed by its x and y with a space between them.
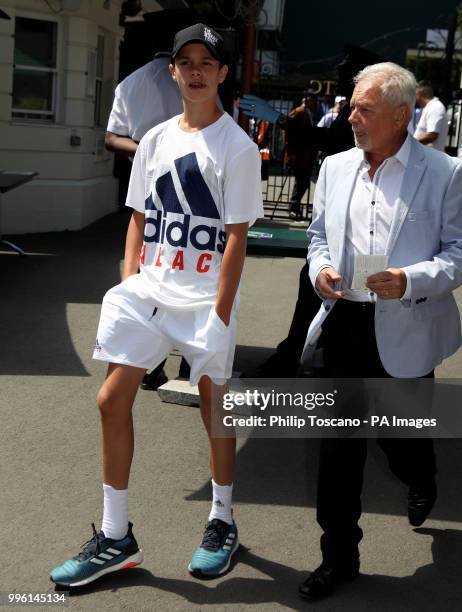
pixel 187 231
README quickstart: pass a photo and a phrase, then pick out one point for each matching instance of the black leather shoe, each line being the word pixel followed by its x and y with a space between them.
pixel 322 581
pixel 152 381
pixel 420 503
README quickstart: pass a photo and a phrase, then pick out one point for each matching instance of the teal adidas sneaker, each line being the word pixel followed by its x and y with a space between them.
pixel 99 556
pixel 213 556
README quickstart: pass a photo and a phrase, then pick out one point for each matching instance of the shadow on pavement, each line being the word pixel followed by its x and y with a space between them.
pixel 283 472
pixel 436 585
pixel 63 268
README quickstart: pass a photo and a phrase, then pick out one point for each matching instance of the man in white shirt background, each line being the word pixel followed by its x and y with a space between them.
pixel 432 129
pixel 328 118
pixel 142 100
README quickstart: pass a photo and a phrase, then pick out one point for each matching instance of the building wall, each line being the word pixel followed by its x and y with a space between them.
pixel 75 185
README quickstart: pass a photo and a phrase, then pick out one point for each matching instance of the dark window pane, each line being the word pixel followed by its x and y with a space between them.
pixel 98 86
pixel 100 56
pixel 32 90
pixel 35 42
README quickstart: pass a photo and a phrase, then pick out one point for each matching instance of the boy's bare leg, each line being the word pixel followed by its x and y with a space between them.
pixel 222 450
pixel 220 540
pixel 115 401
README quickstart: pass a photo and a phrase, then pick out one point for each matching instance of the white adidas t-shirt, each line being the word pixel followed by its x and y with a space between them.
pixel 189 185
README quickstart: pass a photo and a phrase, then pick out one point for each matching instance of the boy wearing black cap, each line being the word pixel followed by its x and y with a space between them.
pixel 195 189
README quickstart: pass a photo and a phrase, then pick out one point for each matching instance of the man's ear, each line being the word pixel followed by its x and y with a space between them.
pixel 171 69
pixel 222 73
pixel 403 115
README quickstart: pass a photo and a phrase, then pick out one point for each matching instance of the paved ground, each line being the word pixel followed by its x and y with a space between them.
pixel 50 472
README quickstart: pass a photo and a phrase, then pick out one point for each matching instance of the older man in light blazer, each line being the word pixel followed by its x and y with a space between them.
pixel 388 196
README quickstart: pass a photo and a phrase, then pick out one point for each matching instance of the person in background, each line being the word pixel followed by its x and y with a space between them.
pixel 300 153
pixel 432 129
pixel 146 97
pixel 328 119
pixel 236 100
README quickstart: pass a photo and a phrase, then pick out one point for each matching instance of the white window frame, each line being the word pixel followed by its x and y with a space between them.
pixel 57 71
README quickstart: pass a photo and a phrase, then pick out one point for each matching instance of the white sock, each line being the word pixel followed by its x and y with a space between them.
pixel 221 503
pixel 115 515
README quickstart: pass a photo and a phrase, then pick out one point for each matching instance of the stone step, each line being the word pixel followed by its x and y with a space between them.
pixel 179 391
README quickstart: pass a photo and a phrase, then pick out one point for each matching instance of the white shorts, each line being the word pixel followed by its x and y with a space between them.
pixel 141 333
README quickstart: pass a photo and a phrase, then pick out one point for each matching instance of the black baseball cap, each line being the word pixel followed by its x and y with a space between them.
pixel 202 34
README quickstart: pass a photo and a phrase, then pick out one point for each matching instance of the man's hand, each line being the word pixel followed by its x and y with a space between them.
pixel 253 106
pixel 389 284
pixel 325 284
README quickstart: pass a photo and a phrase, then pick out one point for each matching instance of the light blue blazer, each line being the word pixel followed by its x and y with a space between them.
pixel 415 335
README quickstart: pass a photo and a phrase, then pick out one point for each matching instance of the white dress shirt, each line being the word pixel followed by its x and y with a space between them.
pixel 370 214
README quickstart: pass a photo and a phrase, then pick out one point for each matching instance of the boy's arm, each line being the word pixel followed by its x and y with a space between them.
pixel 133 244
pixel 231 269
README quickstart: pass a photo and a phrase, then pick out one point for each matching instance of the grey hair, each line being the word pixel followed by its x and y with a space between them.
pixel 397 84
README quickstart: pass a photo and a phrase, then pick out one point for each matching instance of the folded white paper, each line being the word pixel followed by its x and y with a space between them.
pixel 365 265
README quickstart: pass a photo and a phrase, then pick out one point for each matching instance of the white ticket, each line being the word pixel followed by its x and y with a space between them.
pixel 365 265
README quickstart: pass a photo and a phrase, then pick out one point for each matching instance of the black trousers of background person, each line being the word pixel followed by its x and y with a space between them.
pixel 301 185
pixel 285 362
pixel 350 351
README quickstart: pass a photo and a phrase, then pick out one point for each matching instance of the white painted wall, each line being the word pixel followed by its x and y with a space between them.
pixel 75 185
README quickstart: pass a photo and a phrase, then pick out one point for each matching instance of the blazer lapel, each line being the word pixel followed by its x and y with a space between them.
pixel 342 201
pixel 412 176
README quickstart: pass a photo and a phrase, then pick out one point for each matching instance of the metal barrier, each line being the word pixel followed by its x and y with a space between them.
pixel 278 180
